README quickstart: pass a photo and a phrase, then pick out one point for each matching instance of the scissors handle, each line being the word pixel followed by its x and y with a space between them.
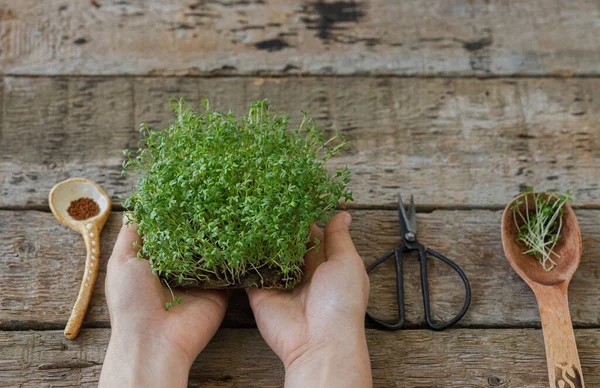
pixel 397 252
pixel 423 252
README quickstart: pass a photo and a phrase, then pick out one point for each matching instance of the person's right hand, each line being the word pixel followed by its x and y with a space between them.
pixel 317 329
pixel 149 346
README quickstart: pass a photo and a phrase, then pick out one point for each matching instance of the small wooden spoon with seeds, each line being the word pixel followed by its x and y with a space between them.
pixel 60 198
pixel 550 289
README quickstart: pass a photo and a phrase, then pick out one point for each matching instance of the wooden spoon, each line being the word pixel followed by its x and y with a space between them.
pixel 550 290
pixel 60 198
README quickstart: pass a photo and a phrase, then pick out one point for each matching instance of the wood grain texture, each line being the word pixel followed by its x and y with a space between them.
pixel 451 142
pixel 312 37
pixel 41 261
pixel 240 358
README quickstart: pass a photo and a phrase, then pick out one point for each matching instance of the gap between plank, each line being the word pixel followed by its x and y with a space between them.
pixel 37 326
pixel 306 75
pixel 423 209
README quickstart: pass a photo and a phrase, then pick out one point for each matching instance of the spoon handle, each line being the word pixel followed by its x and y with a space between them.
pixel 91 236
pixel 564 368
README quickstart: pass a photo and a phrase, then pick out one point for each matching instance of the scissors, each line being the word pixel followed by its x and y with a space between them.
pixel 409 243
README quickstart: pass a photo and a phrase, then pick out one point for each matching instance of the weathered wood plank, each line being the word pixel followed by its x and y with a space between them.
pixel 508 358
pixel 42 260
pixel 315 37
pixel 57 128
pixel 452 142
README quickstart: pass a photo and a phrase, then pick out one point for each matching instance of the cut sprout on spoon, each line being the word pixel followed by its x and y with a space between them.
pixel 539 229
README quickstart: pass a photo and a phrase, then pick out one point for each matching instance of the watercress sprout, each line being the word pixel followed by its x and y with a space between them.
pixel 223 199
pixel 539 227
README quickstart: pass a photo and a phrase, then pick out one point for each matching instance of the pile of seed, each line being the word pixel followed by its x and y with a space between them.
pixel 83 208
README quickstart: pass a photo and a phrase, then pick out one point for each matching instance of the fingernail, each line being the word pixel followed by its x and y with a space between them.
pixel 125 218
pixel 347 219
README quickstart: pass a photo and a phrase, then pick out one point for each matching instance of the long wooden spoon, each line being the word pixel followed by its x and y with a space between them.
pixel 550 290
pixel 60 198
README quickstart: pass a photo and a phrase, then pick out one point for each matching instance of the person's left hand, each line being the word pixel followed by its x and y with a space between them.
pixel 150 346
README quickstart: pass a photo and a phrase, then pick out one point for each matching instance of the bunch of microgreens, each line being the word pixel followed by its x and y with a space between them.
pixel 539 229
pixel 220 196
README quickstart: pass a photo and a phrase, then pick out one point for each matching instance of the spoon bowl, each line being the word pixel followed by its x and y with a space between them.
pixel 550 289
pixel 568 248
pixel 72 189
pixel 60 198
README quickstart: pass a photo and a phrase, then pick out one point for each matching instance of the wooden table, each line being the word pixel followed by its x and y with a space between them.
pixel 463 103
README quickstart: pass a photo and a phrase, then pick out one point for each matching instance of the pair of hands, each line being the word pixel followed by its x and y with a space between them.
pixel 317 329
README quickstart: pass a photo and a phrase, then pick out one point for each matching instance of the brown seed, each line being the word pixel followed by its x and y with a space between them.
pixel 83 208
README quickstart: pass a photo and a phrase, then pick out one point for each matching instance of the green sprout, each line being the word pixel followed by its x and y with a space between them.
pixel 221 197
pixel 539 229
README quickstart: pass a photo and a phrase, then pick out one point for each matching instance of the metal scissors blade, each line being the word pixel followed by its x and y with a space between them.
pixel 408 222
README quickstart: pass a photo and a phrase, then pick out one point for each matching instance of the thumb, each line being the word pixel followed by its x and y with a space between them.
pixel 338 243
pixel 128 242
